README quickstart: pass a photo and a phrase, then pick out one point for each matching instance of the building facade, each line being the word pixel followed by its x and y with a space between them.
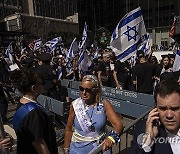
pixel 158 15
pixel 38 18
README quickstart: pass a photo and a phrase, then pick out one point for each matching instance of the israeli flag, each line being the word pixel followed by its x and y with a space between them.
pixel 133 61
pixel 69 67
pixel 8 52
pixel 65 53
pixel 128 35
pixel 84 37
pixel 146 46
pixel 176 65
pixel 95 56
pixel 37 44
pixel 84 63
pixel 59 73
pixel 73 48
pixel 53 43
pixel 160 47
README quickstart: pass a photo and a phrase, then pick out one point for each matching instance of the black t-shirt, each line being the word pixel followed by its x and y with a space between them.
pixel 122 70
pixel 105 68
pixel 36 124
pixel 48 74
pixel 144 73
pixel 106 74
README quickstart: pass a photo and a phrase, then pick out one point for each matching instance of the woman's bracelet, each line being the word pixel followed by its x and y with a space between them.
pixel 112 139
pixel 115 136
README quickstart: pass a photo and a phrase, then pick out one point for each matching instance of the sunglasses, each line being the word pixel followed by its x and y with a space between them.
pixel 86 89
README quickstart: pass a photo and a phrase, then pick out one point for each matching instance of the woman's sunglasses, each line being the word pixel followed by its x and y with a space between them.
pixel 86 89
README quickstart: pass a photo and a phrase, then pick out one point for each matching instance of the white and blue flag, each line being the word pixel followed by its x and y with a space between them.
pixel 9 52
pixel 65 54
pixel 37 44
pixel 69 67
pixel 23 50
pixel 73 49
pixel 84 37
pixel 128 35
pixel 146 46
pixel 59 73
pixel 84 63
pixel 176 65
pixel 160 47
pixel 52 44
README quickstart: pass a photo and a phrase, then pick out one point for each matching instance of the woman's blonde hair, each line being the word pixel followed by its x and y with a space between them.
pixel 96 86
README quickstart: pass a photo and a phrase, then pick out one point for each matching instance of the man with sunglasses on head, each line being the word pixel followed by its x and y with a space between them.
pixel 160 132
pixel 86 126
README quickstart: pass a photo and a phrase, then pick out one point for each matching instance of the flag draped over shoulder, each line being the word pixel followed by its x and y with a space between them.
pixel 84 62
pixel 176 65
pixel 128 35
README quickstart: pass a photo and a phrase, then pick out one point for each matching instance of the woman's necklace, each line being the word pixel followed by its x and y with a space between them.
pixel 92 127
pixel 27 98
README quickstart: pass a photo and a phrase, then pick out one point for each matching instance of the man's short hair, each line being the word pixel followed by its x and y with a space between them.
pixel 140 53
pixel 165 88
pixel 107 54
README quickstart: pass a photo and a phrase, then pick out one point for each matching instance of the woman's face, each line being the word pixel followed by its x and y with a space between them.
pixel 165 61
pixel 87 92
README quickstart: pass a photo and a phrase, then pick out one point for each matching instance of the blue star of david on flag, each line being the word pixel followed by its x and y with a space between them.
pixel 129 32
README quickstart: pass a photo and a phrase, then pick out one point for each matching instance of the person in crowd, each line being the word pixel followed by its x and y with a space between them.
pixel 61 65
pixel 32 124
pixel 121 75
pixel 86 126
pixel 172 59
pixel 75 67
pixel 163 67
pixel 160 132
pixel 143 74
pixel 60 92
pixel 104 70
pixel 47 71
pixel 153 60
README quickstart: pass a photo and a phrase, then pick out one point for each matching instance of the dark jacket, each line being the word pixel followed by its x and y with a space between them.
pixel 157 148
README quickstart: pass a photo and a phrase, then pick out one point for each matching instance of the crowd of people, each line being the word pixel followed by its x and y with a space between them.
pixel 34 73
